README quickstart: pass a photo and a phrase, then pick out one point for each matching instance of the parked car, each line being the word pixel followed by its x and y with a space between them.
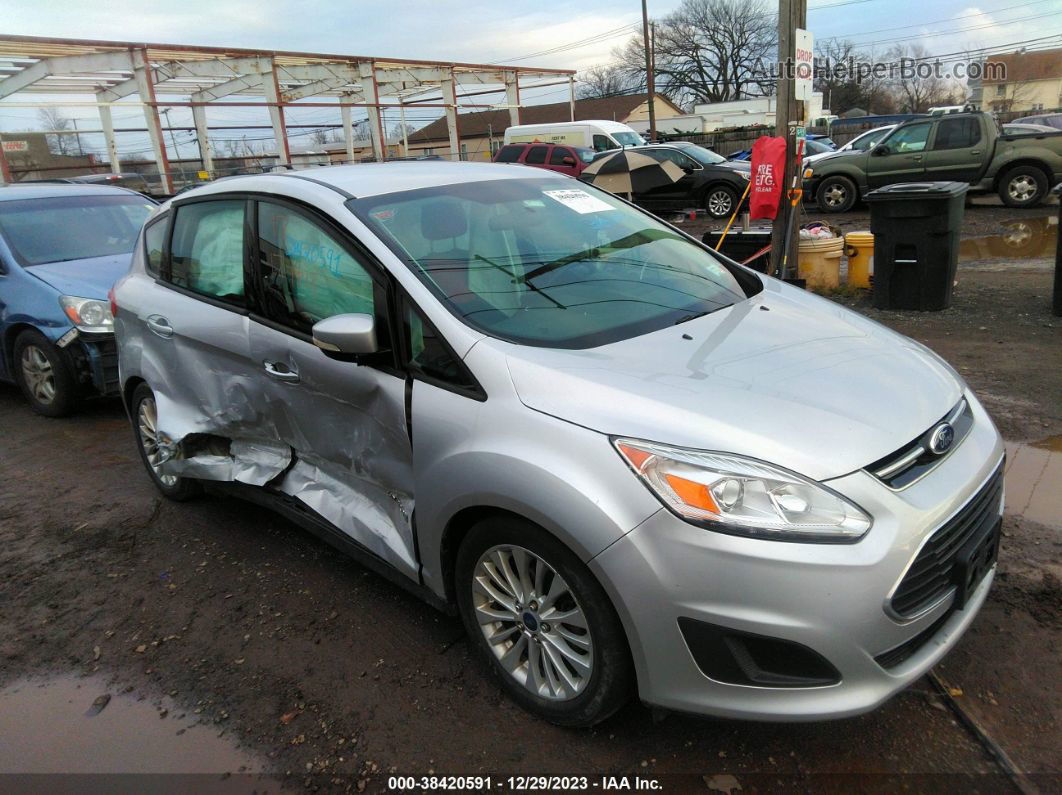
pixel 1047 119
pixel 131 180
pixel 963 147
pixel 858 144
pixel 570 160
pixel 61 248
pixel 1014 128
pixel 711 181
pixel 628 464
pixel 813 145
pixel 597 134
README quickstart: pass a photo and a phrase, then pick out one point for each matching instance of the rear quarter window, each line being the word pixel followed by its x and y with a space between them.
pixel 509 154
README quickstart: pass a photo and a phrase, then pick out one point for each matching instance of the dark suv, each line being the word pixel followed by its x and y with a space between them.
pixel 570 160
pixel 711 182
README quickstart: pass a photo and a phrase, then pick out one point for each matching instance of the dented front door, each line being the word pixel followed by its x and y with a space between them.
pixel 345 422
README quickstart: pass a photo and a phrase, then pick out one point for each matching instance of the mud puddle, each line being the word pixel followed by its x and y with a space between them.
pixel 1034 481
pixel 1021 239
pixel 70 724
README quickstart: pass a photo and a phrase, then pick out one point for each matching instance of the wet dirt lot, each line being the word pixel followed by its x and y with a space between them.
pixel 230 642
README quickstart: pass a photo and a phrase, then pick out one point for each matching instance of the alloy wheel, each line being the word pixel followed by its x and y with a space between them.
pixel 1022 188
pixel 147 426
pixel 719 203
pixel 835 196
pixel 532 622
pixel 38 375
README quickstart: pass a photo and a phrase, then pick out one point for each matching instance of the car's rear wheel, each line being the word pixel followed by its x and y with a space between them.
pixel 720 200
pixel 836 195
pixel 45 375
pixel 543 622
pixel 1023 186
pixel 145 414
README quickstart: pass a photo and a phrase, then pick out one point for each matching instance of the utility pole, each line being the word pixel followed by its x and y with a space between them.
pixel 650 84
pixel 792 14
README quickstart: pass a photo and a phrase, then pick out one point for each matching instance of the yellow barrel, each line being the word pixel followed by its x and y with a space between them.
pixel 859 248
pixel 819 262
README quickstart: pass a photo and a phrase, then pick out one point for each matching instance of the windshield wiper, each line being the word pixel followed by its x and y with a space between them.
pixel 633 240
pixel 517 279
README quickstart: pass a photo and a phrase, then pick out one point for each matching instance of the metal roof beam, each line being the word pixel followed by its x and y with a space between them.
pixel 228 87
pixel 316 87
pixel 66 65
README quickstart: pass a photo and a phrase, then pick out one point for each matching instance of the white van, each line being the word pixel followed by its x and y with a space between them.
pixel 597 134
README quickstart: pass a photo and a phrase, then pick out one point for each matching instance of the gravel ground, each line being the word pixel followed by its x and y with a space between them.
pixel 335 678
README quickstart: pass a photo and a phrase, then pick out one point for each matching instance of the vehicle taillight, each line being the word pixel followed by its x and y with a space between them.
pixel 114 303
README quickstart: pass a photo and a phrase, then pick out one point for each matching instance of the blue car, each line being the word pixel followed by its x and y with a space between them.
pixel 61 249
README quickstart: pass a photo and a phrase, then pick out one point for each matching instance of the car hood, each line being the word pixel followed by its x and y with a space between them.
pixel 806 384
pixel 86 278
pixel 736 165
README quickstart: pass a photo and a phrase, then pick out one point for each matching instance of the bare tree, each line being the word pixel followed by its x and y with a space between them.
pixel 53 119
pixel 709 51
pixel 607 80
pixel 915 92
pixel 319 137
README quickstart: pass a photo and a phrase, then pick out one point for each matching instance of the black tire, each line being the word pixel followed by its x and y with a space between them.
pixel 180 489
pixel 1023 186
pixel 720 201
pixel 611 680
pixel 45 375
pixel 836 195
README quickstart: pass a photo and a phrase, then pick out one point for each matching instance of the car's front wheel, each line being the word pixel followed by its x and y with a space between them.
pixel 836 195
pixel 543 622
pixel 720 200
pixel 45 375
pixel 145 414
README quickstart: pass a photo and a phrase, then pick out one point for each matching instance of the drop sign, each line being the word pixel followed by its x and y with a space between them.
pixel 803 67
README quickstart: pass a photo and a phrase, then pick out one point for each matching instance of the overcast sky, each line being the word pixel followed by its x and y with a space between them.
pixel 490 32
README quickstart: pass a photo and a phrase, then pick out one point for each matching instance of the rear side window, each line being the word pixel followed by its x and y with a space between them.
pixel 509 154
pixel 957 133
pixel 306 273
pixel 207 251
pixel 537 154
pixel 154 241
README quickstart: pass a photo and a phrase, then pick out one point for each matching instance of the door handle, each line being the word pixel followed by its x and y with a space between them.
pixel 159 325
pixel 975 153
pixel 916 157
pixel 281 372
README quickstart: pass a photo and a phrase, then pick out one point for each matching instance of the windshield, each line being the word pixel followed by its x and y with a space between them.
pixel 867 140
pixel 815 147
pixel 541 262
pixel 61 228
pixel 705 157
pixel 628 138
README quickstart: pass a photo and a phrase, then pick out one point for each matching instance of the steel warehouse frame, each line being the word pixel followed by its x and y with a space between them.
pixel 113 70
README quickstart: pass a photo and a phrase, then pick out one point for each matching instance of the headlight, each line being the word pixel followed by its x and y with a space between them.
pixel 808 172
pixel 743 496
pixel 88 314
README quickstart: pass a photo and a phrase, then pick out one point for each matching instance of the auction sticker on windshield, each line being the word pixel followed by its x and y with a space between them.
pixel 579 200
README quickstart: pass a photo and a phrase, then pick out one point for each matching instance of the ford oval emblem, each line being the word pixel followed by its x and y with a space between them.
pixel 941 439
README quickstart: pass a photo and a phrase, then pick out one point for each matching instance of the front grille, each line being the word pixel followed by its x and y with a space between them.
pixel 906 465
pixel 930 576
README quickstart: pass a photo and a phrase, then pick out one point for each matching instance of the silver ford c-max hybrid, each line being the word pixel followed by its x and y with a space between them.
pixel 628 463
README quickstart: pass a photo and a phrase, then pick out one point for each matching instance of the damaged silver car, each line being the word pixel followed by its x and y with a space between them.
pixel 630 465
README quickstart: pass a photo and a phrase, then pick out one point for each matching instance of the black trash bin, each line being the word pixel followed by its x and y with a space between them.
pixel 740 245
pixel 916 230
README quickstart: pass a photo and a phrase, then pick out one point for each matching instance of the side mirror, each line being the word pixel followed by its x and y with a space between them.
pixel 346 336
pixel 568 161
pixel 880 150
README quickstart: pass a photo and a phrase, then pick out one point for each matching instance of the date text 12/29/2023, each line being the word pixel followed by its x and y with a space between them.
pixel 523 783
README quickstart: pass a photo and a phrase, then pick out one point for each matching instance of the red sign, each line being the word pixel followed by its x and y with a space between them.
pixel 768 174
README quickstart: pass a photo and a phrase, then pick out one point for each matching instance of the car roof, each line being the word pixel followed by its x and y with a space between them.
pixel 375 179
pixel 47 190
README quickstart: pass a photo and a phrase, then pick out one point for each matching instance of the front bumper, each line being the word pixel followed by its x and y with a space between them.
pixel 829 599
pixel 96 363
